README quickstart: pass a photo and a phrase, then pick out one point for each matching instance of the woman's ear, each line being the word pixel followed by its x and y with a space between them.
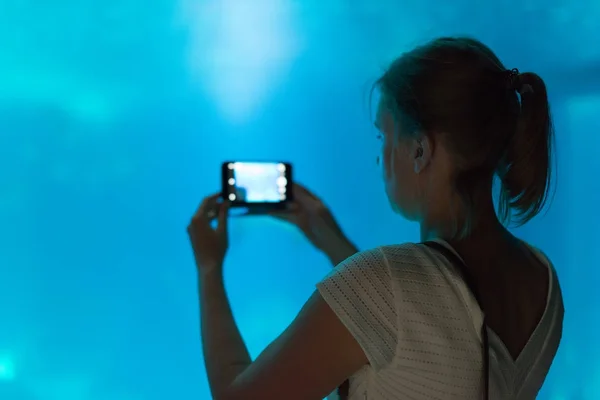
pixel 421 153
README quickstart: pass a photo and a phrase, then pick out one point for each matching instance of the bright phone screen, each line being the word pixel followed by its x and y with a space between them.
pixel 257 182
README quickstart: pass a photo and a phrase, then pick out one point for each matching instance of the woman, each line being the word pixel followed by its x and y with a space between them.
pixel 407 321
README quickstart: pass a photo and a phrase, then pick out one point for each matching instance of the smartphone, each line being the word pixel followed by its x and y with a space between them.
pixel 257 186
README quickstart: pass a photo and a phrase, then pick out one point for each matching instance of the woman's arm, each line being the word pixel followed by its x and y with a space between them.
pixel 339 330
pixel 314 355
pixel 225 353
pixel 339 249
pixel 308 361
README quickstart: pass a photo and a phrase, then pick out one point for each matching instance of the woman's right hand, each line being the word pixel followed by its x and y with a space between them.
pixel 313 218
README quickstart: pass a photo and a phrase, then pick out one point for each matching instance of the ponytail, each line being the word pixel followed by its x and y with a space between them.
pixel 525 170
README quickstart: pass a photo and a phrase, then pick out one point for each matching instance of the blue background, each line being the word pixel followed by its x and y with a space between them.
pixel 116 115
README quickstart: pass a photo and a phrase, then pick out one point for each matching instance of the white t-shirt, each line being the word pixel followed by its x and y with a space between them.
pixel 420 328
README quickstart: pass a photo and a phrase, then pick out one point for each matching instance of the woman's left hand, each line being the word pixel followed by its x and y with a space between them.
pixel 209 244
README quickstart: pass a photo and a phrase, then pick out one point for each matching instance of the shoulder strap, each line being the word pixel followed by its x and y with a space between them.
pixel 462 268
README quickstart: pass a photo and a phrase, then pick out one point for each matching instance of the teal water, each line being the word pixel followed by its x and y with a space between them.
pixel 116 115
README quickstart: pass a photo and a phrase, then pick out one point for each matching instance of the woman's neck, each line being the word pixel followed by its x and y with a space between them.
pixel 446 225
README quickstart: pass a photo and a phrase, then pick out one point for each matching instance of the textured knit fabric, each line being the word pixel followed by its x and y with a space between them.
pixel 420 328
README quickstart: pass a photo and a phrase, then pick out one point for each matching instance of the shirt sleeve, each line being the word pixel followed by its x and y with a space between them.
pixel 359 291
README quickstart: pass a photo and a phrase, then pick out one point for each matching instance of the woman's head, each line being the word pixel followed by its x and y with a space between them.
pixel 451 119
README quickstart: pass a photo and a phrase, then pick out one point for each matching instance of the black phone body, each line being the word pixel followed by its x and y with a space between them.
pixel 259 186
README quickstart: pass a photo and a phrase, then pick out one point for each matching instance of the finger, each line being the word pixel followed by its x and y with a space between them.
pixel 289 209
pixel 292 207
pixel 306 198
pixel 301 197
pixel 223 218
pixel 304 192
pixel 292 214
pixel 207 208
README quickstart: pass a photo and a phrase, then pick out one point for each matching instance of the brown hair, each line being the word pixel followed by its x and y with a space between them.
pixel 458 88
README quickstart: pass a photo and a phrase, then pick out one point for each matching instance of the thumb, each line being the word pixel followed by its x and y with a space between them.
pixel 223 219
pixel 289 214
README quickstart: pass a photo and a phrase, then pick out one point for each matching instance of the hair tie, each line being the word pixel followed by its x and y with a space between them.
pixel 515 83
pixel 514 79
